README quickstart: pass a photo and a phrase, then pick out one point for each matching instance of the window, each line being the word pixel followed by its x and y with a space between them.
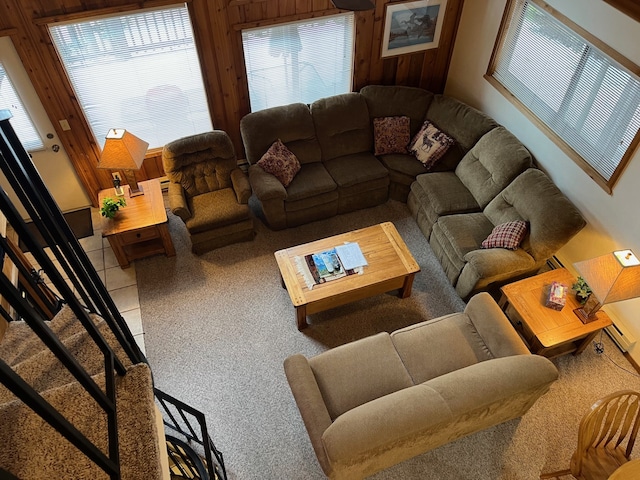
pixel 587 99
pixel 21 122
pixel 299 61
pixel 136 71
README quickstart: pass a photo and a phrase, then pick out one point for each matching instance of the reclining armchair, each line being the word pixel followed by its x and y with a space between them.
pixel 208 191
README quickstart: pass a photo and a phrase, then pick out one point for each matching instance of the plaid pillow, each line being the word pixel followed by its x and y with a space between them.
pixel 391 135
pixel 506 235
pixel 430 144
pixel 280 162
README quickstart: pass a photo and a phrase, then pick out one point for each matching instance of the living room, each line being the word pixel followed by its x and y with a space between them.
pixel 609 227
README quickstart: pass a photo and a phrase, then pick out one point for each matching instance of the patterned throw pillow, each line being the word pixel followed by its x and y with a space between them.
pixel 506 235
pixel 430 144
pixel 391 135
pixel 280 162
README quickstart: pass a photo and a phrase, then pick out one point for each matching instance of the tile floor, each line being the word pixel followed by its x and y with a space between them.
pixel 120 283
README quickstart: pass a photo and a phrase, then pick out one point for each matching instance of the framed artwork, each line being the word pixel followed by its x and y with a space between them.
pixel 412 26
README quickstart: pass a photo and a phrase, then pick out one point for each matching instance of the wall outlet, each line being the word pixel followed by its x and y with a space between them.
pixel 64 124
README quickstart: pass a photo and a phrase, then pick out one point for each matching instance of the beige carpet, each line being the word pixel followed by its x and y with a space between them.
pixel 218 327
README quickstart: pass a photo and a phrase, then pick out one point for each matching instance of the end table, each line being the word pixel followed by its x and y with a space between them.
pixel 140 228
pixel 548 332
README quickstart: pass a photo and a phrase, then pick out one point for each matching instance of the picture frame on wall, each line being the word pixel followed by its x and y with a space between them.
pixel 412 26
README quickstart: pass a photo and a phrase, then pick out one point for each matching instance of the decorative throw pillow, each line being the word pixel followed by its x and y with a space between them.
pixel 280 162
pixel 506 235
pixel 430 144
pixel 391 135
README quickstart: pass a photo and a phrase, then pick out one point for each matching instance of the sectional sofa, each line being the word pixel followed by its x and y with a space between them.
pixel 486 178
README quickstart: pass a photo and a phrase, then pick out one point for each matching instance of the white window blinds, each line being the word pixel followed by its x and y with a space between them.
pixel 136 71
pixel 584 96
pixel 21 122
pixel 299 61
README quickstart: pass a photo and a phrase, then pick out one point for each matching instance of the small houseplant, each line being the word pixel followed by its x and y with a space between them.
pixel 582 290
pixel 110 206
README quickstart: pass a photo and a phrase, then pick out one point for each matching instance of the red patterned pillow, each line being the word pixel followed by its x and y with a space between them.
pixel 506 235
pixel 430 144
pixel 391 135
pixel 280 162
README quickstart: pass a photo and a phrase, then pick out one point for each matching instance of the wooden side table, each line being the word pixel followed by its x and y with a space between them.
pixel 548 332
pixel 140 229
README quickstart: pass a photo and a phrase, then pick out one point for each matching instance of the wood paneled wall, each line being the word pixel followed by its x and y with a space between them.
pixel 217 26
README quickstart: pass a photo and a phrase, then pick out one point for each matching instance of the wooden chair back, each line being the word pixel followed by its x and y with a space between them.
pixel 608 431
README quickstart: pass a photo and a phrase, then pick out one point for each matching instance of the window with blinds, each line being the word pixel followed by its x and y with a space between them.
pixel 587 99
pixel 137 71
pixel 299 61
pixel 21 121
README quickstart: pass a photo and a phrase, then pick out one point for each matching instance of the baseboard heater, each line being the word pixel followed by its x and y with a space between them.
pixel 621 337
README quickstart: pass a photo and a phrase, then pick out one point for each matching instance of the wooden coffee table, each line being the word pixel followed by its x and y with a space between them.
pixel 548 332
pixel 390 266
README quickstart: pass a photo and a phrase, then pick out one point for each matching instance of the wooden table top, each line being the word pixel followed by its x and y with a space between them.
pixel 386 253
pixel 140 212
pixel 551 327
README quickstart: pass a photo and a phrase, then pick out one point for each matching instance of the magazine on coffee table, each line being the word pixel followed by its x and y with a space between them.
pixel 324 266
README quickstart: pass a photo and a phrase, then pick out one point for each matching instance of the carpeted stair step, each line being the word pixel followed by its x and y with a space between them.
pixel 19 341
pixel 33 450
pixel 43 371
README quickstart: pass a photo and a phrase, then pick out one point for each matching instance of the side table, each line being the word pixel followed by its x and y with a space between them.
pixel 140 229
pixel 548 332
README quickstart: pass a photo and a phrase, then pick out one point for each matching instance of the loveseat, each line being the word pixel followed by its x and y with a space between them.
pixel 378 401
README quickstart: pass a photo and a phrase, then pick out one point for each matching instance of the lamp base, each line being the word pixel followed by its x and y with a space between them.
pixel 134 188
pixel 584 316
pixel 589 311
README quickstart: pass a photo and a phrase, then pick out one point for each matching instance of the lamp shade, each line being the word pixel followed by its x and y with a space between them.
pixel 122 150
pixel 613 277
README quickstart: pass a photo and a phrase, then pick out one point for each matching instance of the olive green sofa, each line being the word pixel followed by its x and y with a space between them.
pixel 378 401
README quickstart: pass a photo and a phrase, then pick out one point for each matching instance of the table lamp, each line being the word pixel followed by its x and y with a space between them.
pixel 612 278
pixel 124 151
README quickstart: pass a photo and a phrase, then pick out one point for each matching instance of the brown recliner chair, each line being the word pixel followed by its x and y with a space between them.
pixel 208 191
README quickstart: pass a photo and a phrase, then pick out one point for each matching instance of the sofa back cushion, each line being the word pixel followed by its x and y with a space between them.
pixel 458 120
pixel 292 124
pixel 534 198
pixel 342 125
pixel 433 348
pixel 201 163
pixel 394 101
pixel 356 373
pixel 492 163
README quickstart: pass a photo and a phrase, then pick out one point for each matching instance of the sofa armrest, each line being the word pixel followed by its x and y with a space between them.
pixel 493 326
pixel 490 265
pixel 178 202
pixel 265 185
pixel 310 403
pixel 241 185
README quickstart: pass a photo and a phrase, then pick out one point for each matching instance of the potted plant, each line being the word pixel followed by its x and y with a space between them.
pixel 110 206
pixel 582 290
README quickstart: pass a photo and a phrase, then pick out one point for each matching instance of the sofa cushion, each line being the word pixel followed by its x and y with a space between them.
pixel 312 179
pixel 430 144
pixel 553 220
pixel 342 125
pixel 393 100
pixel 292 124
pixel 280 162
pixel 215 209
pixel 492 164
pixel 343 373
pixel 354 169
pixel 391 135
pixel 507 235
pixel 444 194
pixel 426 356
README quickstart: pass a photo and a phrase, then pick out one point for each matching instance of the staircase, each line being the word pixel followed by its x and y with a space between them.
pixel 77 399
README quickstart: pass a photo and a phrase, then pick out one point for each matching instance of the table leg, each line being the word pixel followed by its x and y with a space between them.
pixel 405 291
pixel 585 343
pixel 301 316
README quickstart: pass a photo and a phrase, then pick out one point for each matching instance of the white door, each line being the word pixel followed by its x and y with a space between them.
pixel 50 159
